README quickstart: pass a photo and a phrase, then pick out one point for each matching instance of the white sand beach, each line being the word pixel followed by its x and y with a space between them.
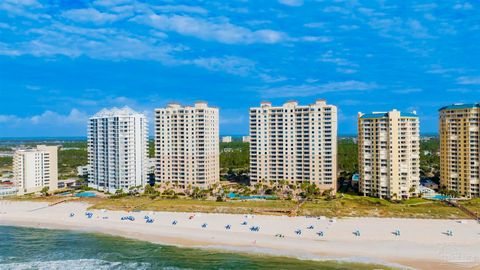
pixel 422 243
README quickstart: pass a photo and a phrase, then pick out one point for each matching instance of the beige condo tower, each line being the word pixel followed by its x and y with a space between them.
pixel 459 148
pixel 187 145
pixel 388 154
pixel 34 169
pixel 294 143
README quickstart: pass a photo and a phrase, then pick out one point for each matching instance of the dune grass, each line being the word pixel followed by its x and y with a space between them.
pixel 342 206
pixel 348 206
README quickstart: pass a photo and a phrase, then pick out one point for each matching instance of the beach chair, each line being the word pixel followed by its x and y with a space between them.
pixel 174 222
pixel 244 223
pixel 320 233
pixel 72 214
pixel 310 227
pixel 228 227
pixel 298 232
pixel 204 225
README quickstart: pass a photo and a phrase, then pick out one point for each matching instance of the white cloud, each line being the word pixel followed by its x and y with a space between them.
pixel 89 15
pixel 180 9
pixel 23 8
pixel 315 25
pixel 469 80
pixel 306 90
pixel 228 64
pixel 292 3
pixel 408 91
pixel 47 118
pixel 463 6
pixel 330 57
pixel 321 39
pixel 220 29
pixel 99 43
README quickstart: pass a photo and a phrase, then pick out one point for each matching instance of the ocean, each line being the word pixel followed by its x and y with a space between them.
pixel 28 248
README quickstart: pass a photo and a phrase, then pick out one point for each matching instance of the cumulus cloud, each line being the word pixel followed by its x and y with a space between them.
pixel 220 30
pixel 24 8
pixel 292 3
pixel 306 90
pixel 469 80
pixel 181 9
pixel 408 91
pixel 89 15
pixel 48 117
pixel 228 64
pixel 97 43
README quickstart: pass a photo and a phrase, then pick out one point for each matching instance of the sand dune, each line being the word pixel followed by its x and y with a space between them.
pixel 422 244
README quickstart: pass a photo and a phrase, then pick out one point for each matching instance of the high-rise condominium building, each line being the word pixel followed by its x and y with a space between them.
pixel 187 145
pixel 117 149
pixel 389 154
pixel 34 169
pixel 294 143
pixel 459 148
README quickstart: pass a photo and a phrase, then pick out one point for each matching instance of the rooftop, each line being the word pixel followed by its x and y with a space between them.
pixel 459 106
pixel 385 114
pixel 125 111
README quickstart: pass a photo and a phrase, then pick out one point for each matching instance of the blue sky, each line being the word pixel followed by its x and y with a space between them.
pixel 62 61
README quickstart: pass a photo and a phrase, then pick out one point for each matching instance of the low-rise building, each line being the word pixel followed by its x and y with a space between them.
pixel 227 139
pixel 246 139
pixel 83 170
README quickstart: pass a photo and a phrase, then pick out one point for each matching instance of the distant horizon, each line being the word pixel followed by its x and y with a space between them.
pixel 72 138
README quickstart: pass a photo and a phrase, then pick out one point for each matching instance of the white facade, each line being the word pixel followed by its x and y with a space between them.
pixel 227 139
pixel 246 139
pixel 83 170
pixel 294 143
pixel 389 154
pixel 34 169
pixel 187 145
pixel 117 149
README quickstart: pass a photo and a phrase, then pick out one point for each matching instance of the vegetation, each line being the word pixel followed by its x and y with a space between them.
pixel 343 206
pixel 429 160
pixel 5 162
pixel 151 148
pixel 69 160
pixel 347 155
pixel 234 156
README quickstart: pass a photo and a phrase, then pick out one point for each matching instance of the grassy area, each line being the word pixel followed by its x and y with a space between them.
pixel 348 206
pixel 473 205
pixel 190 205
pixel 357 206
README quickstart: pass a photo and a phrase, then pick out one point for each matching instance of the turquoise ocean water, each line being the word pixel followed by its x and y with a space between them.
pixel 27 248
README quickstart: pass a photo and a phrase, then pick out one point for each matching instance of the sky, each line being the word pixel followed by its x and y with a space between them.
pixel 63 61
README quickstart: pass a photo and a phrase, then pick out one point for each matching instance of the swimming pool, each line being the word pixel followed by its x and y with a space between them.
pixel 232 195
pixel 86 194
pixel 438 197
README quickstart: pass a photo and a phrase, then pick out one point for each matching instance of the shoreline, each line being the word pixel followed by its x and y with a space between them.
pixel 414 249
